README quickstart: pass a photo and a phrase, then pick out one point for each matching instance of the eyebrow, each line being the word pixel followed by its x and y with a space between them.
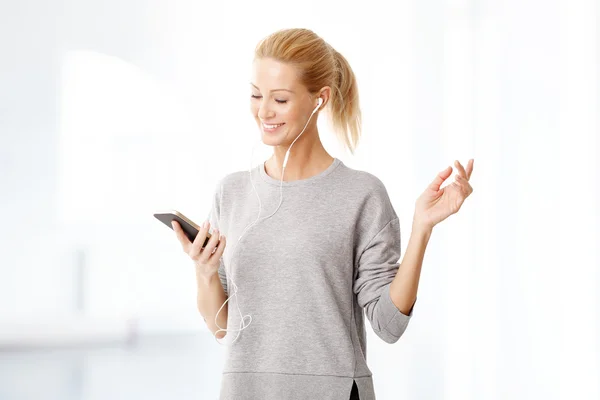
pixel 274 90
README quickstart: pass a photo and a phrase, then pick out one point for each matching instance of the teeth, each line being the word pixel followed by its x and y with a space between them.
pixel 271 126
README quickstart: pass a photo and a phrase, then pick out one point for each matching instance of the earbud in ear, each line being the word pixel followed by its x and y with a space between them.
pixel 317 107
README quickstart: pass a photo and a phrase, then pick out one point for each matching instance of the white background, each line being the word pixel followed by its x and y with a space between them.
pixel 110 110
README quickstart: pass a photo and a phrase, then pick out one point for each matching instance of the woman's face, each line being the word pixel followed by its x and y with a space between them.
pixel 278 98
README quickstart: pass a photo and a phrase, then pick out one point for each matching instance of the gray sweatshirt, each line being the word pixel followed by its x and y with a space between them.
pixel 307 276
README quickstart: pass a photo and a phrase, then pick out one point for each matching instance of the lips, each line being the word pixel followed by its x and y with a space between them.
pixel 272 128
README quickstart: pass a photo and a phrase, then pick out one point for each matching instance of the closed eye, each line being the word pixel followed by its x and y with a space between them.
pixel 279 101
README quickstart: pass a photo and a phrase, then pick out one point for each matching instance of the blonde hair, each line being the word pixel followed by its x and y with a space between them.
pixel 318 64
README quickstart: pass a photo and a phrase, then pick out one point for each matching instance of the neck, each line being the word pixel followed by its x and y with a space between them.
pixel 306 159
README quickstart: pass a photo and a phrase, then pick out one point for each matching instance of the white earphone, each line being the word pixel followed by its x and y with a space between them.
pixel 229 277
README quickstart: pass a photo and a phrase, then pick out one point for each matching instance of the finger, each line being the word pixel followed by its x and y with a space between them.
pixel 210 247
pixel 183 239
pixel 464 185
pixel 196 248
pixel 220 249
pixel 470 168
pixel 460 181
pixel 440 178
pixel 460 168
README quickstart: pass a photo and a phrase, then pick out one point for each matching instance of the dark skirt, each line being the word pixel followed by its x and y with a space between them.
pixel 354 392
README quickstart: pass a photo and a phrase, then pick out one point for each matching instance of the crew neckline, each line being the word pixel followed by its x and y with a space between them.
pixel 298 182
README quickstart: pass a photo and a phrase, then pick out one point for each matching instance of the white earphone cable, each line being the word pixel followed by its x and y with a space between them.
pixel 228 275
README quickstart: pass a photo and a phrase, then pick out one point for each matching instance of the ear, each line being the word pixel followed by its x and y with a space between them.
pixel 324 94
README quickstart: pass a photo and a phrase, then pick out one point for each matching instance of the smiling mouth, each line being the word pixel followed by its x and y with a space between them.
pixel 271 127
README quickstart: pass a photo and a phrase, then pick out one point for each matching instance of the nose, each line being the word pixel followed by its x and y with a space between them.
pixel 264 113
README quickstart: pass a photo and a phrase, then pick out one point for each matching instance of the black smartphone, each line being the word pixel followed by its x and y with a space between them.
pixel 190 228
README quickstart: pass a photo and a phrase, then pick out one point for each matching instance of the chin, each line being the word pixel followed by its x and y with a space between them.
pixel 274 138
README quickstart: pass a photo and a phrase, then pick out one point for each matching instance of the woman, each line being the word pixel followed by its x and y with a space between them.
pixel 325 250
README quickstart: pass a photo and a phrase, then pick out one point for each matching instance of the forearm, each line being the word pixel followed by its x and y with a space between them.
pixel 210 298
pixel 403 290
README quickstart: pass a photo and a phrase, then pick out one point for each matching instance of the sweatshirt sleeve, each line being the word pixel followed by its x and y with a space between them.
pixel 214 217
pixel 377 267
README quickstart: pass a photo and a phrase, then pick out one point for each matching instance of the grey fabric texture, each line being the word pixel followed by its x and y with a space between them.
pixel 307 276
